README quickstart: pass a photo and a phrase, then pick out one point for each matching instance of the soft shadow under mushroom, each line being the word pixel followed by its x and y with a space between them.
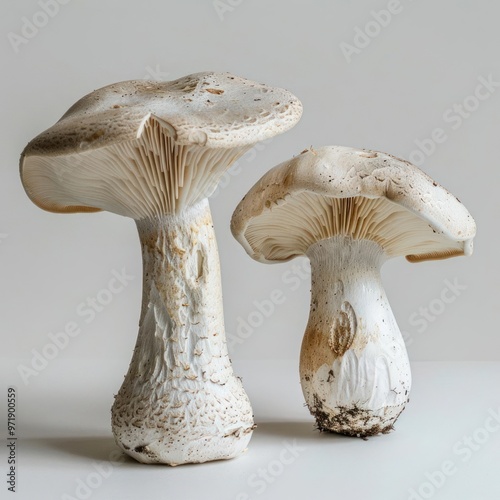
pixel 293 430
pixel 91 448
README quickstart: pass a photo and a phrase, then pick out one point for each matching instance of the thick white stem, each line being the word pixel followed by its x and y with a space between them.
pixel 354 368
pixel 180 401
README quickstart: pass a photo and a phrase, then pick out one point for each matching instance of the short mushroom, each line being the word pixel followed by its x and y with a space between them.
pixel 154 151
pixel 349 210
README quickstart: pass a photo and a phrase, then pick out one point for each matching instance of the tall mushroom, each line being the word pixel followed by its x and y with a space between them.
pixel 154 152
pixel 349 210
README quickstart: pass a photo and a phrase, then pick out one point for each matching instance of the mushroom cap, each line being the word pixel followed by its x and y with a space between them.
pixel 356 193
pixel 214 117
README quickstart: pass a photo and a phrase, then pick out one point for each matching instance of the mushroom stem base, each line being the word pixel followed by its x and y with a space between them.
pixel 180 401
pixel 354 368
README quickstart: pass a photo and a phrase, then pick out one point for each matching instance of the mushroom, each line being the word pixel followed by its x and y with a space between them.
pixel 349 210
pixel 154 152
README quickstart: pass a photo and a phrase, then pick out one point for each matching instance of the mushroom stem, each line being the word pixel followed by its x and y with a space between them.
pixel 180 401
pixel 354 368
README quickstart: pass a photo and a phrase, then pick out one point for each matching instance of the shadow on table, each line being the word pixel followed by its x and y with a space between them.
pixel 104 448
pixel 305 430
pixel 92 448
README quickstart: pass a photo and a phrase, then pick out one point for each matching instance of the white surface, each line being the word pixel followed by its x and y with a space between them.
pixel 396 91
pixel 64 431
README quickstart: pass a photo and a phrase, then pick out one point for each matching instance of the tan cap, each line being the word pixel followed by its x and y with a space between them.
pixel 141 148
pixel 357 193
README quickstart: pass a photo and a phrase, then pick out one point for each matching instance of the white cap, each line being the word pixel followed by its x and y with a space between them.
pixel 142 148
pixel 357 193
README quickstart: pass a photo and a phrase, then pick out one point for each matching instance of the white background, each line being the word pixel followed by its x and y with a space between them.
pixel 388 95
